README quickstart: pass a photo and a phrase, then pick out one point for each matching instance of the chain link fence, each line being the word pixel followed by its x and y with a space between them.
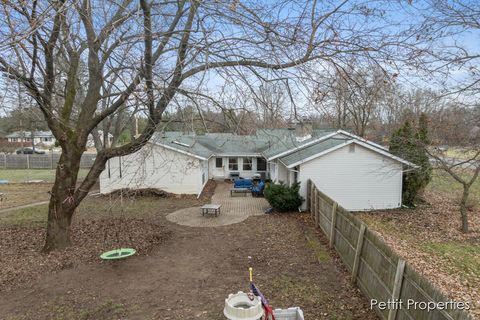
pixel 39 161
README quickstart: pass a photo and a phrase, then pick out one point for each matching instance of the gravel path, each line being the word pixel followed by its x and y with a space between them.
pixel 234 209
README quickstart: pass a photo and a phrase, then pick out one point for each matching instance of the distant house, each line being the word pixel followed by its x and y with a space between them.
pixel 358 174
pixel 45 138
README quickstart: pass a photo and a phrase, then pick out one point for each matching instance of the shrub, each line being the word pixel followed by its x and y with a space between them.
pixel 283 198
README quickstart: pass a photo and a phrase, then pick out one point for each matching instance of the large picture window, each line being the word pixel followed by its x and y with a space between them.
pixel 247 164
pixel 232 164
pixel 218 162
pixel 261 164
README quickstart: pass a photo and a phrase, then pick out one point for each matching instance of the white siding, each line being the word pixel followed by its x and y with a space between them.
pixel 282 172
pixel 217 173
pixel 154 167
pixel 224 172
pixel 359 180
pixel 272 168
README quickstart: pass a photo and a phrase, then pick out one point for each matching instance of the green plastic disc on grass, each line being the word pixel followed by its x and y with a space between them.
pixel 118 254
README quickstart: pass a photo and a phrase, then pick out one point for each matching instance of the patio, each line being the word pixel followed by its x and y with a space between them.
pixel 233 209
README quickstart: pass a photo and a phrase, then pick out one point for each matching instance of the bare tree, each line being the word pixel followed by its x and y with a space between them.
pixel 66 54
pixel 353 96
pixel 464 169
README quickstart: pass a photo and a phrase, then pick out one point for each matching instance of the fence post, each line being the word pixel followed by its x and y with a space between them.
pixel 309 199
pixel 51 159
pixel 358 252
pixel 28 161
pixel 312 204
pixel 334 222
pixel 315 209
pixel 397 286
pixel 5 161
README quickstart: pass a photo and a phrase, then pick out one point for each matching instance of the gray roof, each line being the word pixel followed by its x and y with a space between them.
pixel 266 142
pixel 210 144
pixel 283 140
pixel 312 150
pixel 282 143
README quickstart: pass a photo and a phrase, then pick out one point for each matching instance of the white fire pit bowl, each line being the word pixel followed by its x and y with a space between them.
pixel 239 307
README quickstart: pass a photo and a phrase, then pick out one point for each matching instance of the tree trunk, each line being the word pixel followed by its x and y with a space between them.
pixel 463 208
pixel 58 227
pixel 62 203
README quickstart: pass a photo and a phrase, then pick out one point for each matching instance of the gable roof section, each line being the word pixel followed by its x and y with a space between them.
pixel 330 145
pixel 283 142
pixel 300 155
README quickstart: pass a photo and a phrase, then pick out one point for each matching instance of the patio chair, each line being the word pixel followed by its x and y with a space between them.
pixel 257 190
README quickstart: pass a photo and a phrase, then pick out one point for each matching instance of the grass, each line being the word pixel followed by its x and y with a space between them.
pixel 22 175
pixel 18 194
pixel 31 216
pixel 318 249
pixel 99 208
pixel 463 258
pixel 460 153
pixel 444 183
pixel 310 293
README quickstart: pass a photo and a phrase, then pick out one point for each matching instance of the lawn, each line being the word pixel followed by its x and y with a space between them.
pixel 458 153
pixel 22 175
pixel 18 194
pixel 444 184
pixel 179 273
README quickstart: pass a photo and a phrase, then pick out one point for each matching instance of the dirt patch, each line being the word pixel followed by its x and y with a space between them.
pixel 23 262
pixel 208 190
pixel 189 274
pixel 429 238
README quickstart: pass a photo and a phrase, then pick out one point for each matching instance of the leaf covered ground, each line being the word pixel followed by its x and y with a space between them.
pixel 180 272
pixel 429 238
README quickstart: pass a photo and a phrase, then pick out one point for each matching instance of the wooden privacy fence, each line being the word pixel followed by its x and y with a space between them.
pixel 379 273
pixel 39 161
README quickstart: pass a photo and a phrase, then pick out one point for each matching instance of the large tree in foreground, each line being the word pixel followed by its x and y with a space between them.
pixel 84 61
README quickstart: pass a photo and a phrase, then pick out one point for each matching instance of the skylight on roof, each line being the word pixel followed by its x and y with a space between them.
pixel 304 138
pixel 181 143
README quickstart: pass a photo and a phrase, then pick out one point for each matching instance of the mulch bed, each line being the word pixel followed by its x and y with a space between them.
pixel 206 194
pixel 23 262
pixel 436 220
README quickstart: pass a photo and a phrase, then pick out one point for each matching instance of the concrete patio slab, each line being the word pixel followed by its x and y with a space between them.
pixel 233 209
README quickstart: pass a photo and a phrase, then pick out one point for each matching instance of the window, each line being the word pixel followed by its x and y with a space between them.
pixel 247 164
pixel 218 162
pixel 232 163
pixel 261 164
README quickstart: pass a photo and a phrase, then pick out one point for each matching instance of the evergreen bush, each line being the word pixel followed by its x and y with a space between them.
pixel 283 198
pixel 411 146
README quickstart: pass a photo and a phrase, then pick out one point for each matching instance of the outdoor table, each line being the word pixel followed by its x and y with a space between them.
pixel 215 208
pixel 245 191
